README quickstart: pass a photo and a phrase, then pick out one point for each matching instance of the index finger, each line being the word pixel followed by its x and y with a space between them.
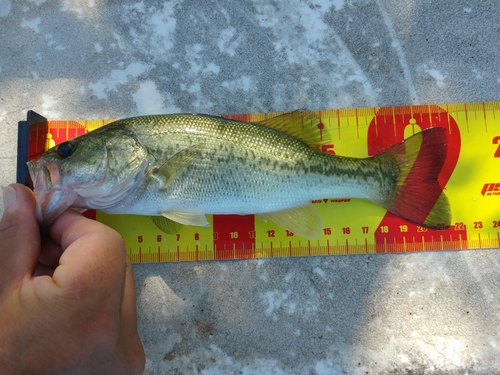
pixel 93 263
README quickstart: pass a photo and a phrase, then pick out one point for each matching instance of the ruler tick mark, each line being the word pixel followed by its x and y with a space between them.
pixel 465 118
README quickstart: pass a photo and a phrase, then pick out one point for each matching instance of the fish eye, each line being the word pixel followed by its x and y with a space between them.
pixel 66 149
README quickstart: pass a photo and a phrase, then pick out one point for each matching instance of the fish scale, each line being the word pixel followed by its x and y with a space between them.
pixel 349 225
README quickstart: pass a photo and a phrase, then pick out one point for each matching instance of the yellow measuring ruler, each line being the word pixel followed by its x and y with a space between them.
pixel 471 176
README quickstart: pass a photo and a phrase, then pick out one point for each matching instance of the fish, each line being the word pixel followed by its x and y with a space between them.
pixel 179 167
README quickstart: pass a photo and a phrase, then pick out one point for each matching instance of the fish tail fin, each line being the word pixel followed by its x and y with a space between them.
pixel 417 195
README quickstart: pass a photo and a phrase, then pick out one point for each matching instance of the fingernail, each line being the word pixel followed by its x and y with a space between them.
pixel 9 197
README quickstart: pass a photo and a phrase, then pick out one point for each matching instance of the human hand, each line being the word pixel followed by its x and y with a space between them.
pixel 67 300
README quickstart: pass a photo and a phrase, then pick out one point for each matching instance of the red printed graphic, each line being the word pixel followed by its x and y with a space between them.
pixel 496 141
pixel 491 189
pixel 234 236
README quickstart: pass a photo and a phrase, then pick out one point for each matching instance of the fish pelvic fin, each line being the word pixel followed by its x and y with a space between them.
pixel 187 217
pixel 417 195
pixel 166 225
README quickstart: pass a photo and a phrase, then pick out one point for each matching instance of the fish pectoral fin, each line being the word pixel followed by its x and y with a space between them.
pixel 178 163
pixel 302 125
pixel 303 221
pixel 187 217
pixel 166 225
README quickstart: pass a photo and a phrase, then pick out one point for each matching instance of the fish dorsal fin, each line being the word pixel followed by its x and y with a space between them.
pixel 177 163
pixel 303 221
pixel 187 217
pixel 303 125
pixel 166 225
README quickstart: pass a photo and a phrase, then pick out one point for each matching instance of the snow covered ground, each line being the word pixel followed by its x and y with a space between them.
pixel 434 313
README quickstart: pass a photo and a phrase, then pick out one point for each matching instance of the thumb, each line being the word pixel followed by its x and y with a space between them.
pixel 19 235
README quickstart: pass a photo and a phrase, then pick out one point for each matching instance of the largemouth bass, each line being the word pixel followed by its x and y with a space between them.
pixel 183 166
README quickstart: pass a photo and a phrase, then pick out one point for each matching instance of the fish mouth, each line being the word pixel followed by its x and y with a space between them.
pixel 51 199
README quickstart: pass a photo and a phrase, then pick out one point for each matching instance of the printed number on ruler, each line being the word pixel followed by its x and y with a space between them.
pixel 470 175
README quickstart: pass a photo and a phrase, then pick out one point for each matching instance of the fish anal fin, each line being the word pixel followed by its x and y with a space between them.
pixel 166 225
pixel 187 217
pixel 417 195
pixel 303 125
pixel 303 221
pixel 178 163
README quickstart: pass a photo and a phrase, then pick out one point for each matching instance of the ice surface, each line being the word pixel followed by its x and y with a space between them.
pixel 5 6
pixel 379 314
